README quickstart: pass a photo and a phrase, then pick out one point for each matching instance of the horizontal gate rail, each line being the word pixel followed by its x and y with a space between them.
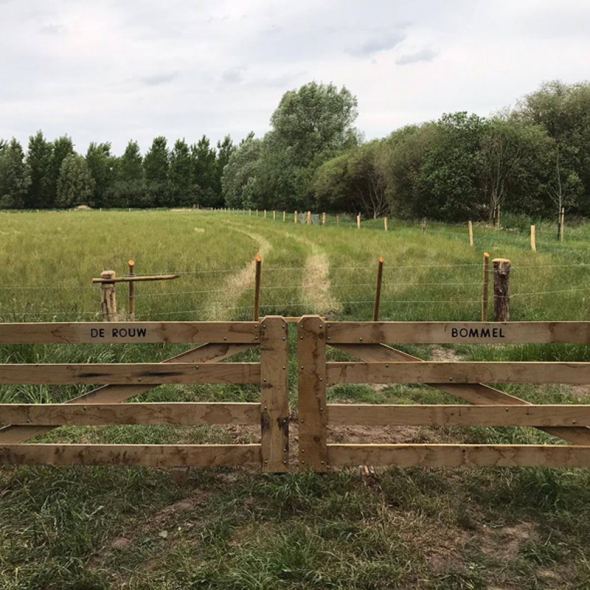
pixel 178 413
pixel 571 373
pixel 457 332
pixel 450 455
pixel 130 332
pixel 457 415
pixel 145 455
pixel 131 373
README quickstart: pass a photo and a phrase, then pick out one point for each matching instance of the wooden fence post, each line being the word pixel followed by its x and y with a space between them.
pixel 131 284
pixel 561 223
pixel 324 218
pixel 501 289
pixel 284 216
pixel 533 238
pixel 313 420
pixel 378 289
pixel 295 217
pixel 309 218
pixel 257 287
pixel 485 288
pixel 264 214
pixel 274 215
pixel 470 230
pixel 274 419
pixel 358 221
pixel 108 304
pixel 337 219
pixel 385 224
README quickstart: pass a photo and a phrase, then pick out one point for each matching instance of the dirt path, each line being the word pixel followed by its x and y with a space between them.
pixel 316 285
pixel 237 284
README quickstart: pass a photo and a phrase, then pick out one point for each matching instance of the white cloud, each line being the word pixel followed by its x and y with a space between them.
pixel 110 71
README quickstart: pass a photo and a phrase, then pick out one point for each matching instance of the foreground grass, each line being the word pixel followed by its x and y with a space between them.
pixel 97 528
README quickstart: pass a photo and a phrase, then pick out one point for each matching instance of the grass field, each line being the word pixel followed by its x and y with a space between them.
pixel 95 528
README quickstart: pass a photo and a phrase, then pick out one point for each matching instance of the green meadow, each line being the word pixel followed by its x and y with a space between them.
pixel 98 528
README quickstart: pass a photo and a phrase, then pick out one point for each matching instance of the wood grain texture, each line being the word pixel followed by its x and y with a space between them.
pixel 145 455
pixel 130 332
pixel 130 373
pixel 178 413
pixel 474 393
pixel 120 393
pixel 274 414
pixel 466 332
pixel 458 415
pixel 401 455
pixel 311 359
pixel 571 373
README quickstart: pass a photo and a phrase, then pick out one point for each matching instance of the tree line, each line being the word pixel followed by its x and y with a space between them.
pixel 52 175
pixel 532 159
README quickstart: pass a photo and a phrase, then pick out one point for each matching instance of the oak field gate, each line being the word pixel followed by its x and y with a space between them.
pixel 371 343
pixel 120 382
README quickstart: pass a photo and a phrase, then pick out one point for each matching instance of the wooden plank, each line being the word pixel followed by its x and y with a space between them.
pixel 458 332
pixel 448 455
pixel 179 413
pixel 137 278
pixel 571 373
pixel 129 332
pixel 153 373
pixel 146 455
pixel 119 393
pixel 274 414
pixel 311 358
pixel 456 415
pixel 474 393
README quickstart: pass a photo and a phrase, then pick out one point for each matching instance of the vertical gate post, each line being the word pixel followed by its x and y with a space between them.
pixel 311 359
pixel 274 418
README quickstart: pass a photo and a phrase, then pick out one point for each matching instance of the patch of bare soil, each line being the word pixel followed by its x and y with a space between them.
pixel 441 354
pixel 505 543
pixel 316 283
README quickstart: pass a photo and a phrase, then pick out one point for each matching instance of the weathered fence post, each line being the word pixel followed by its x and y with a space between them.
pixel 257 287
pixel 131 285
pixel 284 216
pixel 337 219
pixel 264 214
pixel 295 217
pixel 274 215
pixel 324 218
pixel 274 418
pixel 485 287
pixel 313 420
pixel 385 224
pixel 470 230
pixel 309 218
pixel 533 238
pixel 378 289
pixel 501 289
pixel 358 221
pixel 108 304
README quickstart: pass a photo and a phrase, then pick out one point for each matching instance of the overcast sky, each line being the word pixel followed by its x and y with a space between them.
pixel 112 70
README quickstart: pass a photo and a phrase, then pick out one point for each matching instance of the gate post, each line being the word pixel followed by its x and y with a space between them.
pixel 313 420
pixel 274 410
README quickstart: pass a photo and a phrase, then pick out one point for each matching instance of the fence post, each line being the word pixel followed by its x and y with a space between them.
pixel 378 289
pixel 470 229
pixel 337 219
pixel 309 218
pixel 257 287
pixel 311 359
pixel 358 221
pixel 533 238
pixel 485 288
pixel 284 215
pixel 385 224
pixel 108 304
pixel 274 215
pixel 295 217
pixel 561 223
pixel 131 305
pixel 274 418
pixel 501 289
pixel 324 218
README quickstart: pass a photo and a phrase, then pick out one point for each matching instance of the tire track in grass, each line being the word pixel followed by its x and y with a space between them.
pixel 316 287
pixel 237 284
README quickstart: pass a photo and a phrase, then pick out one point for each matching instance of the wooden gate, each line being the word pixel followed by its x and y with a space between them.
pixel 380 363
pixel 120 382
